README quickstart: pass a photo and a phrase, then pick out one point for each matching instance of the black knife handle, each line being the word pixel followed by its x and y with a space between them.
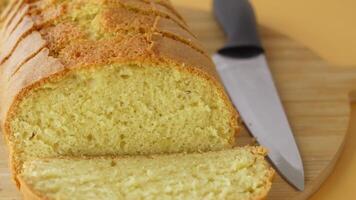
pixel 238 21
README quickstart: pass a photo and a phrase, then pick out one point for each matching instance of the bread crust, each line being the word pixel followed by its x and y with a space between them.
pixel 6 10
pixel 10 13
pixel 32 55
pixel 28 193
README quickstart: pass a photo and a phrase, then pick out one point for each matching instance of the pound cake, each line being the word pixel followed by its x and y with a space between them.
pixel 237 174
pixel 106 78
pixel 3 4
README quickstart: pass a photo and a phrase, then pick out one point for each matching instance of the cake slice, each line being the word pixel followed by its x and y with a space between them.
pixel 238 174
pixel 98 78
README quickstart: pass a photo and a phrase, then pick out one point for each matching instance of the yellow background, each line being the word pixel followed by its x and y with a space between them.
pixel 328 27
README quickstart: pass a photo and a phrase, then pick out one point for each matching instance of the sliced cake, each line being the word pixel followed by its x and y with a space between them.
pixel 237 174
pixel 97 78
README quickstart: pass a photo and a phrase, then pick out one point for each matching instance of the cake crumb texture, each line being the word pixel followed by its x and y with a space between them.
pixel 239 174
pixel 107 78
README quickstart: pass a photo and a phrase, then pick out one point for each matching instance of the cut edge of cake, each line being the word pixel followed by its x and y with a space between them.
pixel 216 184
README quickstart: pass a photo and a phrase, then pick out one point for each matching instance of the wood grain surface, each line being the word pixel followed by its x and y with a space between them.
pixel 315 96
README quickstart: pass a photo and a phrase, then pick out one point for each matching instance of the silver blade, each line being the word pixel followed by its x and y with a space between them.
pixel 251 88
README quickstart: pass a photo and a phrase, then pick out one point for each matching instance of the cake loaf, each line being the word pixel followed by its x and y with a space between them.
pixel 107 77
pixel 238 174
pixel 3 4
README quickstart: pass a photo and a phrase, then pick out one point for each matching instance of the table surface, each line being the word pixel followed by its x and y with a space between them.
pixel 326 27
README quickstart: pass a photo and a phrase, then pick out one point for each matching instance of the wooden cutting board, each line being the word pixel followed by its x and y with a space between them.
pixel 315 96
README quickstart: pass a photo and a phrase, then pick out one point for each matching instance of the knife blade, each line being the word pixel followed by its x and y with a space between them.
pixel 245 74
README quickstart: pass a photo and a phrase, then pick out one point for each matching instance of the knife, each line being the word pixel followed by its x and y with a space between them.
pixel 242 66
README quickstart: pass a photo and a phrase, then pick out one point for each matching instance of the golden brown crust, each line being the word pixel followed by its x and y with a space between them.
pixel 151 8
pixel 22 81
pixel 12 12
pixel 8 46
pixel 16 20
pixel 115 20
pixel 6 10
pixel 169 6
pixel 27 192
pixel 166 6
pixel 28 75
pixel 42 44
pixel 27 48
